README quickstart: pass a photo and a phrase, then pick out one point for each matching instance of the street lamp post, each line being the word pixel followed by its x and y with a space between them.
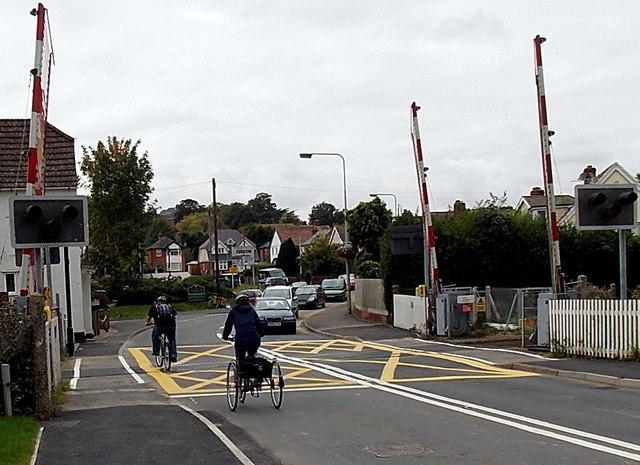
pixel 395 202
pixel 346 227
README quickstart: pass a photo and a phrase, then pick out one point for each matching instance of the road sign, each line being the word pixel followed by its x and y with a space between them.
pixel 234 269
pixel 480 306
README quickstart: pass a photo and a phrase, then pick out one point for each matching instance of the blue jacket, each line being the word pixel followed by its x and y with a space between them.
pixel 246 321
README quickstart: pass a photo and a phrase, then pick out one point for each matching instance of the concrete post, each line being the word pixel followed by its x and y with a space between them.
pixel 6 389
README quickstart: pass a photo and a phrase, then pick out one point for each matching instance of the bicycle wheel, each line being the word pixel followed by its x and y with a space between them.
pixel 166 356
pixel 233 386
pixel 276 384
pixel 244 387
pixel 159 358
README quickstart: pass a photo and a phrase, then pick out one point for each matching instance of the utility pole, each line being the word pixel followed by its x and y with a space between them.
pixel 215 238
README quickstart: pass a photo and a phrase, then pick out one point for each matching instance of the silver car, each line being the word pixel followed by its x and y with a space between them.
pixel 283 292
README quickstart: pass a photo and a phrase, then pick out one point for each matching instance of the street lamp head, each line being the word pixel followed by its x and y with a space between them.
pixel 306 155
pixel 373 195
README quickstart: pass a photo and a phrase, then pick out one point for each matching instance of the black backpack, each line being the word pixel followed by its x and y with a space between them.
pixel 164 310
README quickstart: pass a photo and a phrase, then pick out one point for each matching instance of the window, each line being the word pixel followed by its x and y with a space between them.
pixel 173 252
pixel 10 282
pixel 158 252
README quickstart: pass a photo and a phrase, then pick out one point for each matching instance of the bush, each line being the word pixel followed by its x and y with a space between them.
pixel 143 291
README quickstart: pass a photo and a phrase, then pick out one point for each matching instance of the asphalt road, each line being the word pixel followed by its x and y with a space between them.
pixel 407 402
pixel 399 401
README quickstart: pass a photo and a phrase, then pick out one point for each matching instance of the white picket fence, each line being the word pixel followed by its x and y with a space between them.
pixel 595 328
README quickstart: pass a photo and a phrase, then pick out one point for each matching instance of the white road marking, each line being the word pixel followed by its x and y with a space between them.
pixel 488 349
pixel 73 384
pixel 219 394
pixel 126 366
pixel 225 440
pixel 531 425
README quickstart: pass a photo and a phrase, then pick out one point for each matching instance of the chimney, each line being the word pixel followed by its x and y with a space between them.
pixel 179 238
pixel 458 207
pixel 160 235
pixel 536 191
pixel 588 174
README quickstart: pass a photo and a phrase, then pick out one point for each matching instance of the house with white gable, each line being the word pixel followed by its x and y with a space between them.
pixel 234 250
pixel 60 178
pixel 300 235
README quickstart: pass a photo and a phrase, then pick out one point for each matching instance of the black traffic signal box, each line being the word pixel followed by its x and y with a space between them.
pixel 48 221
pixel 611 206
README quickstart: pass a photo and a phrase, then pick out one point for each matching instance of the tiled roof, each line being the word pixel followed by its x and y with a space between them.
pixel 299 234
pixel 60 163
pixel 162 243
pixel 541 200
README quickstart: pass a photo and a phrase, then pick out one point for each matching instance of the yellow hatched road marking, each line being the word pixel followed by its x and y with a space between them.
pixel 390 359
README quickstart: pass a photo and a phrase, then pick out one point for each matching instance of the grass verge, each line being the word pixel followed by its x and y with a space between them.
pixel 138 312
pixel 18 438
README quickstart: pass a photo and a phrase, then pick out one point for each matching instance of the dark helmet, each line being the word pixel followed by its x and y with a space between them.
pixel 161 299
pixel 242 299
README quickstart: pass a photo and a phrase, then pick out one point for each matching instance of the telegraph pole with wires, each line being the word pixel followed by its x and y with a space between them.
pixel 557 278
pixel 433 277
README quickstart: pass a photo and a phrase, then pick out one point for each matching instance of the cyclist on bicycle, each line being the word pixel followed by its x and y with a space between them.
pixel 249 331
pixel 164 319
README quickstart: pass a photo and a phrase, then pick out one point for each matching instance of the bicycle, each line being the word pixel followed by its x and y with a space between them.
pixel 163 358
pixel 217 301
pixel 248 376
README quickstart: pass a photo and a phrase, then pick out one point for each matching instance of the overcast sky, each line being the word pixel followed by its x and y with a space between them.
pixel 235 90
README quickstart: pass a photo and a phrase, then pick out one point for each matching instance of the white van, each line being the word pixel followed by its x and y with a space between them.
pixel 265 273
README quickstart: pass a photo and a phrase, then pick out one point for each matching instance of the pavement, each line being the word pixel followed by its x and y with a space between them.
pixel 110 417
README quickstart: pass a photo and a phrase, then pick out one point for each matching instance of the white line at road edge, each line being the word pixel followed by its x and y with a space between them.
pixel 488 349
pixel 225 440
pixel 479 411
pixel 129 370
pixel 76 374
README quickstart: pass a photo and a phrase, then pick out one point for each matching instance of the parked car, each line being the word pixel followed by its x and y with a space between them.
pixel 335 289
pixel 274 281
pixel 311 296
pixel 276 314
pixel 253 295
pixel 351 281
pixel 298 284
pixel 265 273
pixel 283 292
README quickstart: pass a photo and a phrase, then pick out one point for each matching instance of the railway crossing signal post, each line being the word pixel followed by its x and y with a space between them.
pixel 601 207
pixel 45 221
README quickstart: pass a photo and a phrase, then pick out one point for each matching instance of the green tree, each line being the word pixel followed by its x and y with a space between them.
pixel 368 222
pixel 119 181
pixel 263 210
pixel 492 246
pixel 195 230
pixel 320 259
pixel 187 207
pixel 158 226
pixel 290 217
pixel 326 213
pixel 287 258
pixel 493 201
pixel 236 215
pixel 258 233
